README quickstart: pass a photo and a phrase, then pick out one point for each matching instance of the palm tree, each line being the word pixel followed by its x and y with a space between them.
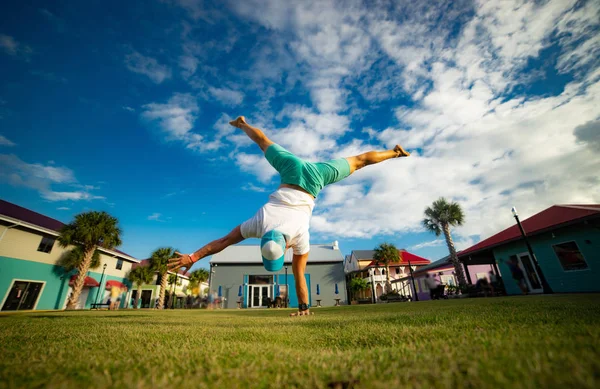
pixel 385 254
pixel 198 277
pixel 158 263
pixel 438 219
pixel 139 276
pixel 87 233
pixel 171 281
pixel 357 285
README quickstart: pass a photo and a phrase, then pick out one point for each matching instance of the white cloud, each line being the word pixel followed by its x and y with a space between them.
pixel 42 178
pixel 480 143
pixel 127 108
pixel 188 64
pixel 226 96
pixel 431 243
pixel 155 216
pixel 253 188
pixel 255 164
pixel 5 141
pixel 10 46
pixel 63 208
pixel 73 196
pixel 175 118
pixel 147 66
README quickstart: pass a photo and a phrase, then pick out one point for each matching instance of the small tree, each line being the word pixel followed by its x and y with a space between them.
pixel 357 285
pixel 87 233
pixel 139 276
pixel 385 254
pixel 198 277
pixel 159 261
pixel 438 218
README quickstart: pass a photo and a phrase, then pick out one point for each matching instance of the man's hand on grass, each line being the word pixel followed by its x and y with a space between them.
pixel 182 261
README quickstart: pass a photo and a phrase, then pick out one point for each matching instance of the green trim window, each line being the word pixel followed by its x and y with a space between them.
pixel 46 245
pixel 569 256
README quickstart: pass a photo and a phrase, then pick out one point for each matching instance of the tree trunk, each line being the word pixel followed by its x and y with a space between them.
pixel 462 281
pixel 388 284
pixel 137 296
pixel 163 288
pixel 82 270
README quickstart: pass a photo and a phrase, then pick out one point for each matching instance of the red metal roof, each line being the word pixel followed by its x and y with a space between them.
pixel 115 283
pixel 552 217
pixel 28 216
pixel 89 281
pixel 405 257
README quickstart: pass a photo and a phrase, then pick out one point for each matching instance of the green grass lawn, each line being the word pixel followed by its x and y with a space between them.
pixel 516 342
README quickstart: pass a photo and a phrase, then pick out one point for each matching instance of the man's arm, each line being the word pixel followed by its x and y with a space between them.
pixel 187 260
pixel 298 267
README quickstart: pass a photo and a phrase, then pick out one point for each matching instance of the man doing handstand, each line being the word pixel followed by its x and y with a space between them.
pixel 283 222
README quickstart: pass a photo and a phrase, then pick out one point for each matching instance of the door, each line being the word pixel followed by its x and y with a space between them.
pixel 146 298
pixel 258 295
pixel 283 293
pixel 22 296
pixel 531 276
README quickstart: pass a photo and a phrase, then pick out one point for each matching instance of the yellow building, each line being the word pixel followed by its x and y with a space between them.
pixel 29 275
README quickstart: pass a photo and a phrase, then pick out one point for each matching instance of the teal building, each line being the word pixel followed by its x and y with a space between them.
pixel 565 240
pixel 29 276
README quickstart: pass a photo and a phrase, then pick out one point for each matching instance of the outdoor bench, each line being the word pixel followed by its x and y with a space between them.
pixel 96 305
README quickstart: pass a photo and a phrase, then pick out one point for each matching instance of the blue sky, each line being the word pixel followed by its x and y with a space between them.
pixel 124 108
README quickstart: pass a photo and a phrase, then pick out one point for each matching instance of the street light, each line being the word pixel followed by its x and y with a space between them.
pixel 545 286
pixel 173 296
pixel 412 278
pixel 287 292
pixel 100 286
pixel 371 271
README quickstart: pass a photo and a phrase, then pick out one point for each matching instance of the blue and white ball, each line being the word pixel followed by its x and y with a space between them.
pixel 272 248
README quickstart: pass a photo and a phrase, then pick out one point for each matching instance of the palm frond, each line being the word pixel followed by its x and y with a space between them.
pixel 71 259
pixel 386 253
pixel 160 259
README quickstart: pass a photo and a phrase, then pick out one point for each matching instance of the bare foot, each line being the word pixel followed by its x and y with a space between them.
pixel 301 313
pixel 238 122
pixel 401 152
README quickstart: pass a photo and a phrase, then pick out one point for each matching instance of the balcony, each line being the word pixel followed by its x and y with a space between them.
pixel 376 278
pixel 381 278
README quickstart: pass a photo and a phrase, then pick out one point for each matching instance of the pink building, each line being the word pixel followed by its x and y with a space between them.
pixel 443 272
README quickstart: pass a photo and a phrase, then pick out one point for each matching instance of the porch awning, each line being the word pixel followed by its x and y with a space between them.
pixel 89 282
pixel 114 283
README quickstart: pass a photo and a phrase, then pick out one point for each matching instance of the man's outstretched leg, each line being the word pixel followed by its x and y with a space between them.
pixel 373 157
pixel 253 133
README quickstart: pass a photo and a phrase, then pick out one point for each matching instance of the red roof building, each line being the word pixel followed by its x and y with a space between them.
pixel 554 217
pixel 565 240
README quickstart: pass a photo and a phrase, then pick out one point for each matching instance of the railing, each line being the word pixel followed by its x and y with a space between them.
pixel 381 278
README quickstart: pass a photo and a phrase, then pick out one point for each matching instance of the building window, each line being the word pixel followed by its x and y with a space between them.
pixel 46 245
pixel 397 270
pixel 569 256
pixel 447 280
pixel 383 272
pixel 119 264
pixel 260 280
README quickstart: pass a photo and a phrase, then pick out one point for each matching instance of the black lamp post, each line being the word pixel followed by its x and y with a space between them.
pixel 173 294
pixel 100 286
pixel 545 286
pixel 287 292
pixel 372 272
pixel 412 278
